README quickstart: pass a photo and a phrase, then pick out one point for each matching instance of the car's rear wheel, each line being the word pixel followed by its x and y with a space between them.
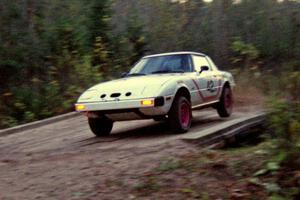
pixel 225 105
pixel 100 126
pixel 180 115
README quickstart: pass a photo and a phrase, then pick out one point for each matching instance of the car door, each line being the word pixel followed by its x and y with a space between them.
pixel 217 80
pixel 205 80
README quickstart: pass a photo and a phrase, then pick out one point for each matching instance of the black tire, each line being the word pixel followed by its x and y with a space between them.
pixel 160 118
pixel 225 105
pixel 100 126
pixel 176 120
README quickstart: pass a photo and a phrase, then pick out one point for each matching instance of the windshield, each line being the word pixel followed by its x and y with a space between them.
pixel 162 64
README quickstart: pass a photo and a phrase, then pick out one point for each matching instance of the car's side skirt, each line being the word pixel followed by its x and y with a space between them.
pixel 204 105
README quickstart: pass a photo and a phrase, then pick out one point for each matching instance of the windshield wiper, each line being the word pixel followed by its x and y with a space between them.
pixel 136 74
pixel 167 71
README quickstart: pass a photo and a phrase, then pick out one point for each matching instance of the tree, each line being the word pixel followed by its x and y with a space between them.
pixel 99 20
pixel 136 36
pixel 221 30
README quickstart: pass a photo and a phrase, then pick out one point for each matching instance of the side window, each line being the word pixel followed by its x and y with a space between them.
pixel 212 64
pixel 200 61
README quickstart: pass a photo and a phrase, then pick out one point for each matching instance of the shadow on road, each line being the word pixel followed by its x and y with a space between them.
pixel 155 130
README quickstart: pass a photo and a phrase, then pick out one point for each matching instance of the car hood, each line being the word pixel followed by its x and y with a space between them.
pixel 126 88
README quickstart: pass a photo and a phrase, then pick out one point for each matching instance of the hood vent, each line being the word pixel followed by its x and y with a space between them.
pixel 115 95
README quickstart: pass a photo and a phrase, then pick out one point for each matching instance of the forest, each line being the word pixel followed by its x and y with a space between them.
pixel 52 50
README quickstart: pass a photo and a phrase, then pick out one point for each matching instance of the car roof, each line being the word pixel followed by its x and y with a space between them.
pixel 174 53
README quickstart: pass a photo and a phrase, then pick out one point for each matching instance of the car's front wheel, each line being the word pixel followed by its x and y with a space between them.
pixel 100 126
pixel 180 115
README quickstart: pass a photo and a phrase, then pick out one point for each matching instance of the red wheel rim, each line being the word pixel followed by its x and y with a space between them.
pixel 228 101
pixel 185 114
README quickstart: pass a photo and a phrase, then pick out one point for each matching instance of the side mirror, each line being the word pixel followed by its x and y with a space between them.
pixel 124 74
pixel 203 68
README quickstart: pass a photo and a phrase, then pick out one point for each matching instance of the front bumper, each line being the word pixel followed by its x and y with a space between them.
pixel 126 109
pixel 119 104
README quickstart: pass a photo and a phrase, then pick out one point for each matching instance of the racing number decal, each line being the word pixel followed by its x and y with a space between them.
pixel 210 86
pixel 209 98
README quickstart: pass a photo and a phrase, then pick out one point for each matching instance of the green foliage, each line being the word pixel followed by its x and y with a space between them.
pixel 149 185
pixel 260 172
pixel 285 122
pixel 51 50
pixel 136 37
pixel 291 81
pixel 246 54
pixel 8 121
pixel 276 197
pixel 169 165
pixel 45 61
pixel 99 20
pixel 101 55
pixel 272 187
pixel 244 49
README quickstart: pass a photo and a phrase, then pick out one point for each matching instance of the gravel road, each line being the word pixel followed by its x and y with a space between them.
pixel 64 160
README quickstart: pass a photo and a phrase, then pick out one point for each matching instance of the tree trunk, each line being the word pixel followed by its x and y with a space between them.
pixel 221 31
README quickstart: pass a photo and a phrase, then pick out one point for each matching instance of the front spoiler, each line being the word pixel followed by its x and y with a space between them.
pixel 110 105
pixel 126 109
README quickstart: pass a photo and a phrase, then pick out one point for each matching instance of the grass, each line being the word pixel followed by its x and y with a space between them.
pixel 168 165
pixel 218 174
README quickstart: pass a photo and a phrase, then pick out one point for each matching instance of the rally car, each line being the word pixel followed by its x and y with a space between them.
pixel 162 87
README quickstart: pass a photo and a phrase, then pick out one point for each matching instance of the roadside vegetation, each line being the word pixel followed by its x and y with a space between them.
pixel 245 171
pixel 50 51
pixel 263 166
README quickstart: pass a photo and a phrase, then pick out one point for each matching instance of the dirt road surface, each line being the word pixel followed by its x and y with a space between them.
pixel 64 160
